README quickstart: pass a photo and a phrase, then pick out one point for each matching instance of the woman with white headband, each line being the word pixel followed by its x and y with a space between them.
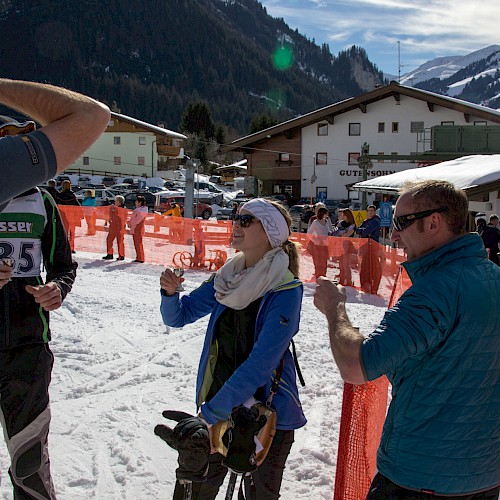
pixel 254 301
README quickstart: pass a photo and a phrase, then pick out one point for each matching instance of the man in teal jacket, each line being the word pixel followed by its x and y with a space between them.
pixel 440 348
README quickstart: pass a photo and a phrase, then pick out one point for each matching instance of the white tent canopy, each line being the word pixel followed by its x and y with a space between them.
pixel 466 173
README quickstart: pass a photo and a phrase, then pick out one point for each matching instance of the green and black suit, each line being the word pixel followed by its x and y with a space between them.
pixel 31 233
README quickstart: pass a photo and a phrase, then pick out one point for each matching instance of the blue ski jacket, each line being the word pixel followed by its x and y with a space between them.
pixel 440 348
pixel 276 323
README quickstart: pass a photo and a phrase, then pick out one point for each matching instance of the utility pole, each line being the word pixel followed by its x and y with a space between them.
pixel 364 163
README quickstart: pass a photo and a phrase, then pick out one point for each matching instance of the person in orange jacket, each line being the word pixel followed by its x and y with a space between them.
pixel 117 220
pixel 136 224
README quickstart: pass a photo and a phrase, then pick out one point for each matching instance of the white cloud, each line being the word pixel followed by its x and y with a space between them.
pixel 425 29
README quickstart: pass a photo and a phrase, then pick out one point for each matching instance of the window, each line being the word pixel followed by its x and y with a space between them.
pixel 380 153
pixel 395 127
pixel 394 153
pixel 354 128
pixel 416 127
pixel 284 157
pixel 118 160
pixel 117 140
pixel 86 160
pixel 481 122
pixel 140 160
pixel 321 158
pixel 111 123
pixel 448 123
pixel 353 159
pixel 142 141
pixel 381 127
pixel 323 129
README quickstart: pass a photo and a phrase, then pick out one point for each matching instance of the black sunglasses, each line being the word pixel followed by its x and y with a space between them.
pixel 403 221
pixel 244 219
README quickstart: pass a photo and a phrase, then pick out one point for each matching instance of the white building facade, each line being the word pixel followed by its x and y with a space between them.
pixel 392 120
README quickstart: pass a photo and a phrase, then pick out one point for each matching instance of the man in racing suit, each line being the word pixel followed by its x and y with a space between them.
pixel 31 234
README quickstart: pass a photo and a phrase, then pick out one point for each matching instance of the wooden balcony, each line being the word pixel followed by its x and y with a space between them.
pixel 165 150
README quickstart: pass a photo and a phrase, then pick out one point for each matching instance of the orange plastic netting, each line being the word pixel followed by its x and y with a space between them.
pixel 205 244
pixel 363 413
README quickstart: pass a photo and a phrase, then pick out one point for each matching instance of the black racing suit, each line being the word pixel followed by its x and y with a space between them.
pixel 32 233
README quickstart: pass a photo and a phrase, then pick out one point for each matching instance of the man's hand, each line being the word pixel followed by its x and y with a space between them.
pixel 328 295
pixel 48 295
pixel 5 274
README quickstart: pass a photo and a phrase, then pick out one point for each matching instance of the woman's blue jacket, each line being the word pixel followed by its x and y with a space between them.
pixel 276 323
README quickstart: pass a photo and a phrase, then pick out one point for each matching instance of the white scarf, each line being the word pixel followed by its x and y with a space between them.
pixel 236 287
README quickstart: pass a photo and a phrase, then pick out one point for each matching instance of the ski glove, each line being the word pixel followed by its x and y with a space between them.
pixel 239 439
pixel 190 437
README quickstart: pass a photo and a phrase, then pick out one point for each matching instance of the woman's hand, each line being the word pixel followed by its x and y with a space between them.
pixel 170 282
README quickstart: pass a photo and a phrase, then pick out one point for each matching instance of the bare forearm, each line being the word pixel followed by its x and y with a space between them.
pixel 345 342
pixel 71 121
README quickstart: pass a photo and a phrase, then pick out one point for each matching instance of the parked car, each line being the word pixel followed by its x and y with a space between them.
pixel 225 212
pixel 163 200
pixel 297 213
pixel 108 181
pixel 130 197
pixel 101 195
pixel 121 188
pixel 216 179
pixel 60 178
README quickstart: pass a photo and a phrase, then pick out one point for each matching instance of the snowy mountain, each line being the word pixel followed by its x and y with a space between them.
pixel 474 77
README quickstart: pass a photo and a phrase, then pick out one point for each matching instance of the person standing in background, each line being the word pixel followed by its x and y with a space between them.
pixel 71 217
pixel 346 228
pixel 319 230
pixel 136 224
pixel 117 221
pixel 490 234
pixel 89 202
pixel 370 272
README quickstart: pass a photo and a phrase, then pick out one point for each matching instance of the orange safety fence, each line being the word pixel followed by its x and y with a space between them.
pixel 363 413
pixel 205 244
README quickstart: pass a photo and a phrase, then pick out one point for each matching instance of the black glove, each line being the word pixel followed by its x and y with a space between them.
pixel 190 437
pixel 239 439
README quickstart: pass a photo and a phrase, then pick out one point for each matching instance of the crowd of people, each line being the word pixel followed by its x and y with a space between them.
pixel 439 345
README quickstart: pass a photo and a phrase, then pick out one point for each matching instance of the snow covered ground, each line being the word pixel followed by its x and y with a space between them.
pixel 118 367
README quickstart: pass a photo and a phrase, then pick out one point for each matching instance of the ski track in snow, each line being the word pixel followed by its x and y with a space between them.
pixel 117 367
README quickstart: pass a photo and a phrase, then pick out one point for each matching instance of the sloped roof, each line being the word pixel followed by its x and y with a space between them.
pixel 474 174
pixel 148 126
pixel 394 90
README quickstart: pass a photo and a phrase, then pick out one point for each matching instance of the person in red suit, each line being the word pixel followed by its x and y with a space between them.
pixel 136 224
pixel 117 220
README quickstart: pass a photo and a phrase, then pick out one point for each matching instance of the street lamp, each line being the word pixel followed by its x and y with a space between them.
pixel 314 177
pixel 152 159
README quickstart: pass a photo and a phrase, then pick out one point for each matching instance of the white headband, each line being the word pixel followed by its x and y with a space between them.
pixel 272 220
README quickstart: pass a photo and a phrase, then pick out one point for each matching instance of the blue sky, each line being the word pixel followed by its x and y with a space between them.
pixel 425 29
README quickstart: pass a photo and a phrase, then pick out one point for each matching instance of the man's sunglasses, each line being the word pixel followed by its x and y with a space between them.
pixel 244 219
pixel 403 221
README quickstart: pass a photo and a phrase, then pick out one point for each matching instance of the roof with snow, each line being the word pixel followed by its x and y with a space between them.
pixel 148 126
pixel 474 174
pixel 393 90
pixel 239 165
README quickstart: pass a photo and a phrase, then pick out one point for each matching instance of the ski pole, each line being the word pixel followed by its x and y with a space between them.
pixel 231 485
pixel 188 489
